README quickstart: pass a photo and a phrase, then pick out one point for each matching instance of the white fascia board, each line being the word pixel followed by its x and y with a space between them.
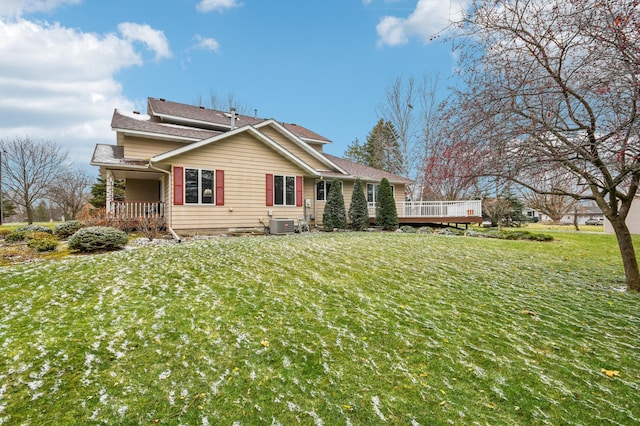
pixel 301 143
pixel 190 121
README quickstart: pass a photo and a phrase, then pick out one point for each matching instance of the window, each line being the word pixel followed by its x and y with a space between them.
pixel 284 190
pixel 198 186
pixel 372 192
pixel 322 190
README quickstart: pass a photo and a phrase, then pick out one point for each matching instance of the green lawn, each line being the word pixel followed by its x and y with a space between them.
pixel 325 329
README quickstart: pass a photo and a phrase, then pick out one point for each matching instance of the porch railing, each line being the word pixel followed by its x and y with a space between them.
pixel 136 209
pixel 433 209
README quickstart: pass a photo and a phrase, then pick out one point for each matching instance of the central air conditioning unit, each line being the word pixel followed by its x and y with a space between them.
pixel 281 226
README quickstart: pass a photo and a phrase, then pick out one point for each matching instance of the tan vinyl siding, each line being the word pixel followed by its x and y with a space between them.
pixel 142 190
pixel 245 161
pixel 144 149
pixel 293 148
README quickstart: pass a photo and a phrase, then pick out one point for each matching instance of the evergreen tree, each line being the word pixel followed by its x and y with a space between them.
pixel 99 192
pixel 358 210
pixel 386 213
pixel 335 215
pixel 381 150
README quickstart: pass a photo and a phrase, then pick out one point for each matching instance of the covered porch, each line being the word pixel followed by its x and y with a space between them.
pixel 435 212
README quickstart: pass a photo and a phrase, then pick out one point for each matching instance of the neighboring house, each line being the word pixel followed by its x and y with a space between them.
pixel 204 169
pixel 633 219
pixel 584 213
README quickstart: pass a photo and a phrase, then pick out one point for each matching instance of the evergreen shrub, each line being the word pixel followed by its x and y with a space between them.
pixel 66 229
pixel 335 214
pixel 42 241
pixel 22 233
pixel 386 213
pixel 359 209
pixel 98 238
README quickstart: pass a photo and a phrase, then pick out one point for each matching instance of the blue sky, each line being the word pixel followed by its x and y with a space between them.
pixel 66 64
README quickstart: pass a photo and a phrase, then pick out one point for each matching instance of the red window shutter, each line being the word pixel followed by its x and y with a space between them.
pixel 298 191
pixel 178 186
pixel 269 190
pixel 219 187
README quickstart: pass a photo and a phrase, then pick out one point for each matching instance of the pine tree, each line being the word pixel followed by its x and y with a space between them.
pixel 335 215
pixel 386 213
pixel 358 210
pixel 99 192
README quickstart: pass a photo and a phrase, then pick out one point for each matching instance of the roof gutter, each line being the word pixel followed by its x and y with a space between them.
pixel 169 228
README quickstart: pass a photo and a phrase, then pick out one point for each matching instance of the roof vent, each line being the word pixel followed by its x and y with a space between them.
pixel 136 112
pixel 163 99
pixel 201 107
pixel 232 113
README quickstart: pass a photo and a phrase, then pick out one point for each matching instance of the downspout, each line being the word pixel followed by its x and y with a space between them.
pixel 171 231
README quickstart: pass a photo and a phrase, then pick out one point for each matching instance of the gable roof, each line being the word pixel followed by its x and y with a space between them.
pixel 365 172
pixel 150 126
pixel 199 126
pixel 245 129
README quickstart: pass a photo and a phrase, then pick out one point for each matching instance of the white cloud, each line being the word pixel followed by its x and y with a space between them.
pixel 58 83
pixel 15 8
pixel 366 2
pixel 153 39
pixel 428 19
pixel 205 43
pixel 216 5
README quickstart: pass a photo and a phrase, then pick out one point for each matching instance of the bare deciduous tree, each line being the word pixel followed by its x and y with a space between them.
pixel 556 83
pixel 71 192
pixel 29 167
pixel 553 204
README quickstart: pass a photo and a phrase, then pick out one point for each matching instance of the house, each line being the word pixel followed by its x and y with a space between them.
pixel 632 220
pixel 203 169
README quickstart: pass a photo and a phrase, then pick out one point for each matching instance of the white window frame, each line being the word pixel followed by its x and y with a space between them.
pixel 200 187
pixel 284 191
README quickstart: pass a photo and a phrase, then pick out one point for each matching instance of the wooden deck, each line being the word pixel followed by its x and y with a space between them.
pixel 443 213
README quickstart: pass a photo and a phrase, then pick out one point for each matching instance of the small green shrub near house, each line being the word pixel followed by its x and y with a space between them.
pixel 42 241
pixel 98 238
pixel 408 229
pixel 67 229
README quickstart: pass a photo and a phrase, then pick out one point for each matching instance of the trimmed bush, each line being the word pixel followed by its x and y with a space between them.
pixel 386 213
pixel 24 233
pixel 66 229
pixel 451 231
pixel 359 209
pixel 98 238
pixel 335 215
pixel 408 229
pixel 42 241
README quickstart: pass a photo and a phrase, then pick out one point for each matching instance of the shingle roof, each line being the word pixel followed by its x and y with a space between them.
pixel 164 109
pixel 114 155
pixel 150 124
pixel 364 172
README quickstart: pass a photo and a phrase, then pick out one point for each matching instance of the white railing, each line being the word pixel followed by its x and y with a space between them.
pixel 467 208
pixel 136 209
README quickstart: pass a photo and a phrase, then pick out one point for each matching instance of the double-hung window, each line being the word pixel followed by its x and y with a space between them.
pixel 284 190
pixel 199 186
